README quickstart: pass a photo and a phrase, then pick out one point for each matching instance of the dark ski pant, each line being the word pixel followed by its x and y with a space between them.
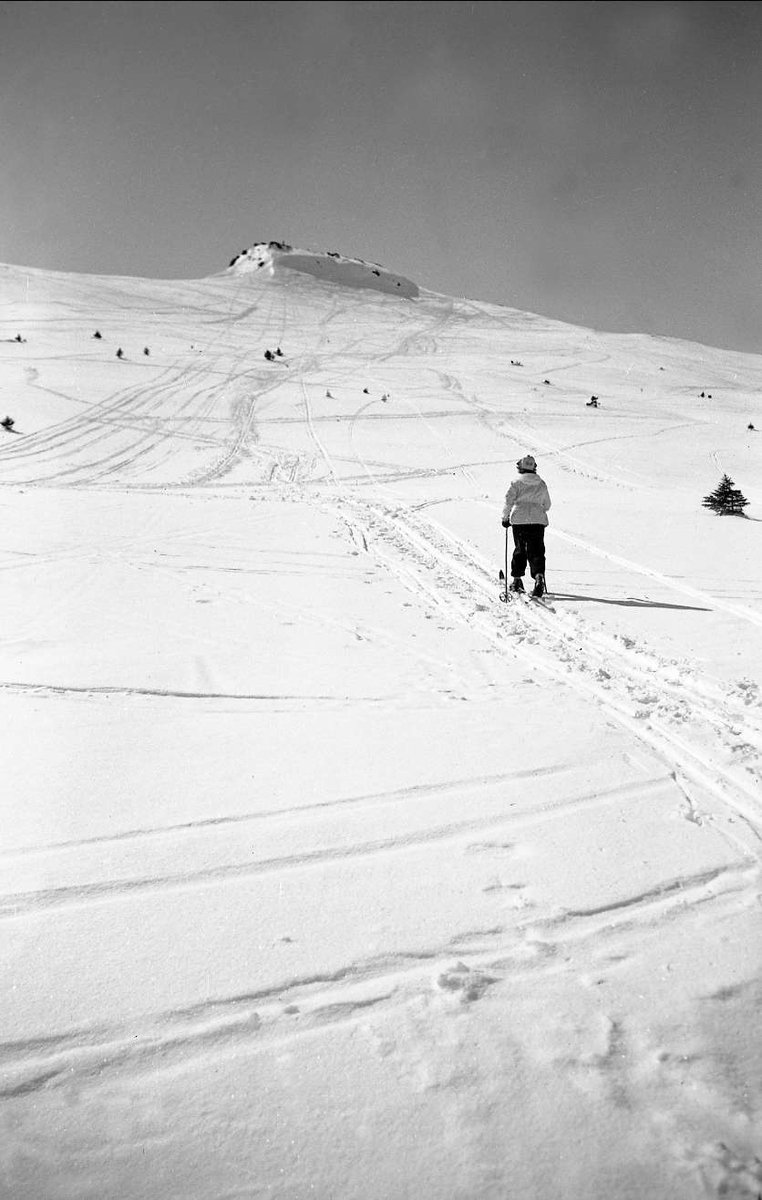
pixel 529 546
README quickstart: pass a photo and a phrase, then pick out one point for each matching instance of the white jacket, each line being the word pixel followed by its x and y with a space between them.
pixel 527 500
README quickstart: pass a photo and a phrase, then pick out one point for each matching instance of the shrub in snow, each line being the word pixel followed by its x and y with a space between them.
pixel 726 499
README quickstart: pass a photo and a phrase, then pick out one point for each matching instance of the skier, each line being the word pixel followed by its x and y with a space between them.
pixel 526 512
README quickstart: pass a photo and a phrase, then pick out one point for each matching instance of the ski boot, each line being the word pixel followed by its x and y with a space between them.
pixel 516 585
pixel 539 586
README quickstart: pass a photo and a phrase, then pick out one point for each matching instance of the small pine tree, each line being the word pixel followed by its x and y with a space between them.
pixel 726 499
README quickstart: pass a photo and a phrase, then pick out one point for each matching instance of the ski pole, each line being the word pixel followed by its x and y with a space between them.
pixel 504 593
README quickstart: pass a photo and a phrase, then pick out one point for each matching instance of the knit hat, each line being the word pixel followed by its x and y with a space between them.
pixel 527 463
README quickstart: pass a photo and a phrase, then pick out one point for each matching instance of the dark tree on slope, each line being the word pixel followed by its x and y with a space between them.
pixel 726 499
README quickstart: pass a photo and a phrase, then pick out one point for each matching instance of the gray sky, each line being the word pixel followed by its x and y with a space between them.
pixel 596 162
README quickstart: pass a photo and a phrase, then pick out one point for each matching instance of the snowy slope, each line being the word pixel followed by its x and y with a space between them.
pixel 326 874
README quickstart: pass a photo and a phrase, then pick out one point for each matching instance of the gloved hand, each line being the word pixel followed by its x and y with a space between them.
pixel 506 524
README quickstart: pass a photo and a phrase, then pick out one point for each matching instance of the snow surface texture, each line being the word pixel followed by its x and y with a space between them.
pixel 326 874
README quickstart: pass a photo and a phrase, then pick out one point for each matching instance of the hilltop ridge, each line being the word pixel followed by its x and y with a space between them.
pixel 329 266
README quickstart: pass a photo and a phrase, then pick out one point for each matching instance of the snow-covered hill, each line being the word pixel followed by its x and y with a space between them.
pixel 326 873
pixel 330 267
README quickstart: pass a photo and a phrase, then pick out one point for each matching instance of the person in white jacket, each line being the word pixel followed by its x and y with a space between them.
pixel 526 512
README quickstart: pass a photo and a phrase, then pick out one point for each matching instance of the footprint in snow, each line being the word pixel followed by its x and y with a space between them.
pixel 510 895
pixel 491 848
pixel 744 750
pixel 729 1174
pixel 748 691
pixel 468 984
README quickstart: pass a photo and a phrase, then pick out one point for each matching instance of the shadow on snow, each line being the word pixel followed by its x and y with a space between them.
pixel 630 602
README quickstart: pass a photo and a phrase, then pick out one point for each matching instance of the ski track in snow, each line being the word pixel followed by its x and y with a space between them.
pixel 657 700
pixel 296 1007
pixel 622 679
pixel 707 736
pixel 14 904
